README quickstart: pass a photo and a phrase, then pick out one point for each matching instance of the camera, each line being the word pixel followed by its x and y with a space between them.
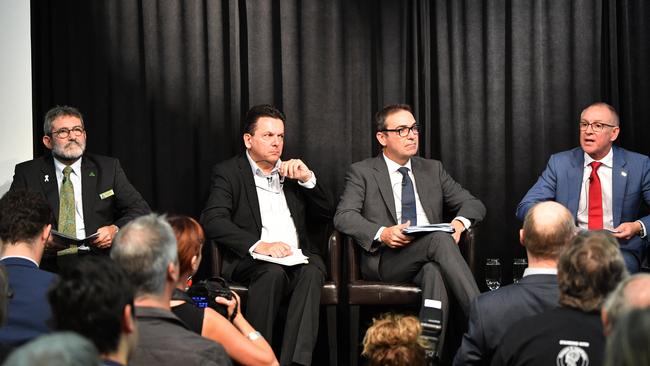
pixel 431 322
pixel 204 292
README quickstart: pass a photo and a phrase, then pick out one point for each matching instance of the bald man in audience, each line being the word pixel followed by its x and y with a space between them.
pixel 548 227
pixel 632 293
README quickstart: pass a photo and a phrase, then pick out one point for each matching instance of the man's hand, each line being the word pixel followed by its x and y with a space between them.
pixel 105 237
pixel 295 169
pixel 627 230
pixel 394 237
pixel 276 249
pixel 458 230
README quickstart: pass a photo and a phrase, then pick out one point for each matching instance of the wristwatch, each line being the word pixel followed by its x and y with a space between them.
pixel 641 230
pixel 254 335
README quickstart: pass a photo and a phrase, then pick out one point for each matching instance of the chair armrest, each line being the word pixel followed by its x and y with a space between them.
pixel 215 268
pixel 354 271
pixel 467 246
pixel 334 257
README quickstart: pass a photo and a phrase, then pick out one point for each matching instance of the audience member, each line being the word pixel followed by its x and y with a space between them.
pixel 242 342
pixel 548 228
pixel 631 293
pixel 602 185
pixel 572 334
pixel 87 193
pixel 4 293
pixel 95 299
pixel 394 340
pixel 56 349
pixel 146 250
pixel 261 204
pixel 24 228
pixel 628 343
pixel 385 194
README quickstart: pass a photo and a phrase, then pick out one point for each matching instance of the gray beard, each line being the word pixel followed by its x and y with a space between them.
pixel 60 152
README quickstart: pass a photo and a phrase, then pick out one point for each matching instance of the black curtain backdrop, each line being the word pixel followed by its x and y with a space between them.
pixel 496 85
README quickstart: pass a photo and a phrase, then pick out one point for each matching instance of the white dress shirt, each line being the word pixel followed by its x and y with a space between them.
pixel 75 178
pixel 537 271
pixel 277 223
pixel 396 184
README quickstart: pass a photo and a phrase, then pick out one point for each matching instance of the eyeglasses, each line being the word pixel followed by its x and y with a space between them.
pixel 595 126
pixel 404 131
pixel 65 132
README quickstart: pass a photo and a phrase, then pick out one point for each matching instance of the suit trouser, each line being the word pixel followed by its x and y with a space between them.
pixel 268 285
pixel 433 262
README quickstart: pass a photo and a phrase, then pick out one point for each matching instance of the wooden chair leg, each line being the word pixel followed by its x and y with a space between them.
pixel 332 333
pixel 354 334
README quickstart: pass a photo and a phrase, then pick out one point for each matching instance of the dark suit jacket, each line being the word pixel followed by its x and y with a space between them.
pixel 232 218
pixel 562 182
pixel 367 202
pixel 29 308
pixel 98 175
pixel 492 313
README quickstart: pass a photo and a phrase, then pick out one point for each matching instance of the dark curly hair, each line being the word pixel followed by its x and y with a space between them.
pixel 89 299
pixel 23 215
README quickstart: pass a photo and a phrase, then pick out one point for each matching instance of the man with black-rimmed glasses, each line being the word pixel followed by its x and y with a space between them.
pixel 602 185
pixel 88 194
pixel 385 194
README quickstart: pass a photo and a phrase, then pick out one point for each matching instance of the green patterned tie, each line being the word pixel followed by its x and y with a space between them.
pixel 67 223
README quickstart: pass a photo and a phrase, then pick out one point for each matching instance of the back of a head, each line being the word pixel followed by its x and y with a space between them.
pixel 632 293
pixel 394 340
pixel 89 298
pixel 548 228
pixel 627 345
pixel 144 248
pixel 23 215
pixel 56 349
pixel 589 269
pixel 189 238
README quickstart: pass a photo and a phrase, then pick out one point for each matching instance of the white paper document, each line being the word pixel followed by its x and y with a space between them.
pixel 296 257
pixel 444 227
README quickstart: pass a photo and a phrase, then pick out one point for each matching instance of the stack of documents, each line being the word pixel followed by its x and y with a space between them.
pixel 296 257
pixel 444 227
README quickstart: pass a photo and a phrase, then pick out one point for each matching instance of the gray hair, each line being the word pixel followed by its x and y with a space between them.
pixel 621 301
pixel 59 111
pixel 144 248
pixel 56 349
pixel 627 345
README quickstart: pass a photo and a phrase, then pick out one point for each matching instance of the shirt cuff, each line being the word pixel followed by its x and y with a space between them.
pixel 252 248
pixel 378 235
pixel 311 183
pixel 465 221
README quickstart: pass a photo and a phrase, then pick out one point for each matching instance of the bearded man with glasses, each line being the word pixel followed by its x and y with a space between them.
pixel 386 194
pixel 89 194
pixel 601 184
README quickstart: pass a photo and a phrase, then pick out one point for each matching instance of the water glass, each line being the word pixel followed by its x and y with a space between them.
pixel 493 273
pixel 518 267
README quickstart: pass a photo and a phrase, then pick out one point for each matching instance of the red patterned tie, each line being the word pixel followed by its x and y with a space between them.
pixel 595 198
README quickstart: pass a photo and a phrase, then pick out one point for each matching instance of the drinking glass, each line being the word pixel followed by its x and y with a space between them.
pixel 493 273
pixel 518 267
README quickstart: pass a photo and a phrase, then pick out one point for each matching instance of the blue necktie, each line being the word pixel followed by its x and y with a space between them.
pixel 408 198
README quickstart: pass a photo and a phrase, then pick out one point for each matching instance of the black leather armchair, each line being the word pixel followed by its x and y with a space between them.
pixel 361 292
pixel 329 292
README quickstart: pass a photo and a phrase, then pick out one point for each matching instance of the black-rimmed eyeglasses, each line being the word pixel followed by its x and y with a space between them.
pixel 595 126
pixel 65 132
pixel 404 131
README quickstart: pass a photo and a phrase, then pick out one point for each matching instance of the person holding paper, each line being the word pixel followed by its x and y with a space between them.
pixel 87 193
pixel 385 194
pixel 602 185
pixel 259 204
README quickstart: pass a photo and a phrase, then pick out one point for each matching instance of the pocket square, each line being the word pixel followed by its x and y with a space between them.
pixel 106 194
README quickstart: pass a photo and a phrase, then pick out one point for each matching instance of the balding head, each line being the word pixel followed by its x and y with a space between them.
pixel 631 293
pixel 548 227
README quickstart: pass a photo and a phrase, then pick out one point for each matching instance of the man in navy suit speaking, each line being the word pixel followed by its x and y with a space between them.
pixel 602 185
pixel 24 228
